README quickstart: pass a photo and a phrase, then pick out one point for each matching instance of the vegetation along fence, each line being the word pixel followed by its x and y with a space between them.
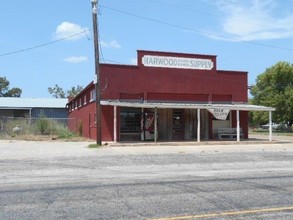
pixel 12 126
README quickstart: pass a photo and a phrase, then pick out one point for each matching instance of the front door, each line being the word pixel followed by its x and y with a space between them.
pixel 178 124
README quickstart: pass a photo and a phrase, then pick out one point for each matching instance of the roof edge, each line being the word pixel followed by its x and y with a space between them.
pixel 233 106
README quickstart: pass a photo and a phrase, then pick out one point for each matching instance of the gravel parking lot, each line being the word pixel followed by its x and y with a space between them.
pixel 67 180
pixel 16 149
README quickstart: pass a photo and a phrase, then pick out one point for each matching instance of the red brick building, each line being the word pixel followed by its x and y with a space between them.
pixel 189 96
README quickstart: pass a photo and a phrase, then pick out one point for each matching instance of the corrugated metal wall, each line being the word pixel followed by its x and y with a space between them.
pixel 49 112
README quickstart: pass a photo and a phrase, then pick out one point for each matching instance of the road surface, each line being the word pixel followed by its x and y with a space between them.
pixel 63 180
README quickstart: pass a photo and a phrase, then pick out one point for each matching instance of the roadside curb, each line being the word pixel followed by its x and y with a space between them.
pixel 190 143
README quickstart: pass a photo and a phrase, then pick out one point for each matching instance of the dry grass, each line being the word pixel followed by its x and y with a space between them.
pixel 30 137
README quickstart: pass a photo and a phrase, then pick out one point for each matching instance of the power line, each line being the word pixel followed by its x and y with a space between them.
pixel 194 30
pixel 42 45
pixel 184 8
pixel 197 11
pixel 112 62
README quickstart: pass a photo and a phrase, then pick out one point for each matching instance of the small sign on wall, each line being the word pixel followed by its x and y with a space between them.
pixel 95 79
pixel 220 114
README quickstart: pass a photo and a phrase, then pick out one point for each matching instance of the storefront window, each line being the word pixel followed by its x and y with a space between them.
pixel 130 120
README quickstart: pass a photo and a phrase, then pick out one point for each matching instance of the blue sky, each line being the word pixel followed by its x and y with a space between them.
pixel 43 43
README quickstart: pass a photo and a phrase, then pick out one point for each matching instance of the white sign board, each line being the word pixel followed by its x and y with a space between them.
pixel 177 62
pixel 95 79
pixel 220 114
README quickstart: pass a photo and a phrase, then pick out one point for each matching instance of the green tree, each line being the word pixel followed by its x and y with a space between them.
pixel 5 91
pixel 58 92
pixel 74 91
pixel 274 88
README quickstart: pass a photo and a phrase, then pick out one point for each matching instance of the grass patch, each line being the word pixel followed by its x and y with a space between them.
pixel 97 145
pixel 266 131
pixel 94 146
pixel 65 133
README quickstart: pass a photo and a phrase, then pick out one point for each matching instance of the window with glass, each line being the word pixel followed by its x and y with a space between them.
pixel 130 120
pixel 92 95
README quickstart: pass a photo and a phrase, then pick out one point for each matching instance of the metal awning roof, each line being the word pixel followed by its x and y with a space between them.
pixel 182 105
pixel 28 103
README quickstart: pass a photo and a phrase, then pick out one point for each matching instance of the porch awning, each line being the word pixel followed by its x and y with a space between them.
pixel 183 105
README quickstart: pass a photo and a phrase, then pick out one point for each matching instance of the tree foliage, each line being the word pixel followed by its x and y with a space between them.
pixel 5 91
pixel 58 92
pixel 74 91
pixel 274 88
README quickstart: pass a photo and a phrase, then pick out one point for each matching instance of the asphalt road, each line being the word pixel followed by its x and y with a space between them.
pixel 40 180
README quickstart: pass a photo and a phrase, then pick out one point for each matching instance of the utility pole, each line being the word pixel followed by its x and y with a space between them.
pixel 97 72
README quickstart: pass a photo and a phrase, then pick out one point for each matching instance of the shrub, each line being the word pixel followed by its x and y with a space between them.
pixel 22 123
pixel 42 125
pixel 63 133
pixel 14 127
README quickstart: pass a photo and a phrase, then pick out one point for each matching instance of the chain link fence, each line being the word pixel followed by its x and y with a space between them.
pixel 11 126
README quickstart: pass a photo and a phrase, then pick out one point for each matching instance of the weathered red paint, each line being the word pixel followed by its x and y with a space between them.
pixel 154 83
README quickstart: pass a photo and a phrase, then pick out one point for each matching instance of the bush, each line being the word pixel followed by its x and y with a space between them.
pixel 63 132
pixel 13 127
pixel 43 126
pixel 22 124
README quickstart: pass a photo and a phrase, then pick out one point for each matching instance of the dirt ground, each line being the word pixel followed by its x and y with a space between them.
pixel 53 138
pixel 43 138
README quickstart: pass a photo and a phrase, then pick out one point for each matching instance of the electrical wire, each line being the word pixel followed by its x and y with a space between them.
pixel 43 45
pixel 112 62
pixel 184 8
pixel 196 11
pixel 194 30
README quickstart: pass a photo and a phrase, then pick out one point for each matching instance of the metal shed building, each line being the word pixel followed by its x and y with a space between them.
pixel 33 107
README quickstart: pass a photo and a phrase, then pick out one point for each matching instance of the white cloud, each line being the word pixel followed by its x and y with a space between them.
pixel 111 44
pixel 75 59
pixel 255 20
pixel 71 31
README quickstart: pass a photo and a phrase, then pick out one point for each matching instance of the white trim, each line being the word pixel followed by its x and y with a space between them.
pixel 156 126
pixel 270 126
pixel 115 124
pixel 233 106
pixel 238 126
pixel 198 125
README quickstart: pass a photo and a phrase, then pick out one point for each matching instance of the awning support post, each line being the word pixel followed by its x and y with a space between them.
pixel 156 126
pixel 270 126
pixel 238 126
pixel 115 123
pixel 198 125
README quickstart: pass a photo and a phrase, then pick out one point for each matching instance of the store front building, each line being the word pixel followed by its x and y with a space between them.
pixel 165 97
